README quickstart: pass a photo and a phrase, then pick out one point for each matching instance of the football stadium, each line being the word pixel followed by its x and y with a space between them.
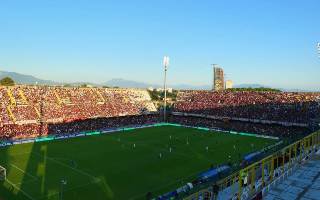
pixel 114 143
pixel 89 112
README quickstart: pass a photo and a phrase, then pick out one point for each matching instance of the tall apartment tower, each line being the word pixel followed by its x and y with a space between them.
pixel 218 78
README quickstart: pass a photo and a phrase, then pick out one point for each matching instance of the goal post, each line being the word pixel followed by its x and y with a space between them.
pixel 3 173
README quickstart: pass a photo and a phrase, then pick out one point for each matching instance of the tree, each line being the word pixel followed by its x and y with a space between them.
pixel 7 81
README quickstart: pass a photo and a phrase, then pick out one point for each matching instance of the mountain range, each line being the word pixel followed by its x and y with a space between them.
pixel 118 82
pixel 25 79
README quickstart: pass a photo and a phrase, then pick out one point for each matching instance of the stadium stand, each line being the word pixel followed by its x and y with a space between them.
pixel 281 107
pixel 28 111
pixel 280 114
pixel 288 132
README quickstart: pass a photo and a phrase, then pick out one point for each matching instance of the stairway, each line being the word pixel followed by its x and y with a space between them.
pixel 11 97
pixel 58 98
pixel 23 97
pixel 37 111
pixel 11 115
pixel 102 100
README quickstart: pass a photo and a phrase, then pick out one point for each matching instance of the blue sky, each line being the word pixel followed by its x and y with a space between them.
pixel 271 42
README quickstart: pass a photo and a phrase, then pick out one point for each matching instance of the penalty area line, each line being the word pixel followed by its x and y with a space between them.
pixel 67 166
pixel 21 170
pixel 19 189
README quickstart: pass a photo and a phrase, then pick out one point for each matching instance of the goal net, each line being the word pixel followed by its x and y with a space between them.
pixel 3 173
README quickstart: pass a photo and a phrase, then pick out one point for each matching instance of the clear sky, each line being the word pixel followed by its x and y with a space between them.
pixel 270 42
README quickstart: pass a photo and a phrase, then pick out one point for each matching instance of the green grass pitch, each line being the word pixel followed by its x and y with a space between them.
pixel 108 166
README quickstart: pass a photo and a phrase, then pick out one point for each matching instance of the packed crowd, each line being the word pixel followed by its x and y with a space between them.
pixel 102 124
pixel 273 106
pixel 9 131
pixel 13 131
pixel 255 128
pixel 26 110
pixel 57 104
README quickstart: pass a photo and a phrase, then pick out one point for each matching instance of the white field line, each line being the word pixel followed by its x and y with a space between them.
pixel 94 179
pixel 19 189
pixel 21 170
pixel 67 166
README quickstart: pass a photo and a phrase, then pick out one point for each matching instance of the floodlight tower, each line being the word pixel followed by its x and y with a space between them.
pixel 165 65
pixel 318 48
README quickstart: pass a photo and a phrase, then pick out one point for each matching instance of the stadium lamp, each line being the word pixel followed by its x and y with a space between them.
pixel 318 48
pixel 166 61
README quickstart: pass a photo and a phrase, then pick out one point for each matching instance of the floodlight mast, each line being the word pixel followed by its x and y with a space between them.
pixel 318 48
pixel 166 65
